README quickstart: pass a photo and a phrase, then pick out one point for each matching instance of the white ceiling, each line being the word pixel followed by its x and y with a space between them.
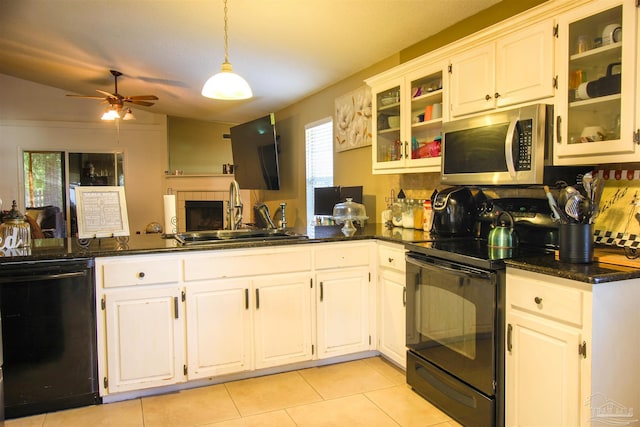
pixel 286 49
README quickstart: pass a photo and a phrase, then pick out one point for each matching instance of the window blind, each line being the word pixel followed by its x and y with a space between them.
pixel 319 155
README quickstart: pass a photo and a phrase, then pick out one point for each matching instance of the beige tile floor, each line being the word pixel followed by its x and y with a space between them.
pixel 369 392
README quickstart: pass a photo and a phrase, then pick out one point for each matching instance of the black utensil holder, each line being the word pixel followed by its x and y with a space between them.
pixel 575 243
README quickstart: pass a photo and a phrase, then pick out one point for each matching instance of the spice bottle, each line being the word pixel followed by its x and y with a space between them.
pixel 418 214
pixel 427 215
pixel 407 214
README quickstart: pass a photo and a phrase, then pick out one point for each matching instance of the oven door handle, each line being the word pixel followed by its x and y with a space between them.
pixel 460 270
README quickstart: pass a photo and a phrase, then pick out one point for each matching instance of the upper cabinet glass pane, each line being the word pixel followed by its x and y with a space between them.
pixel 595 70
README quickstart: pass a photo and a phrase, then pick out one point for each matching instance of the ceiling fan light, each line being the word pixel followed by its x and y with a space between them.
pixel 129 115
pixel 226 85
pixel 110 114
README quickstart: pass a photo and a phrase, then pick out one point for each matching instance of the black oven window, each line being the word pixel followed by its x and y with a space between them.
pixel 455 327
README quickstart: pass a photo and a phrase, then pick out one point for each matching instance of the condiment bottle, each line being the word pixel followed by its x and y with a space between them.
pixel 418 214
pixel 396 212
pixel 15 229
pixel 427 215
pixel 407 214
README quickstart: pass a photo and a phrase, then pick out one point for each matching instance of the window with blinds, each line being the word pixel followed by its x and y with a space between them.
pixel 319 149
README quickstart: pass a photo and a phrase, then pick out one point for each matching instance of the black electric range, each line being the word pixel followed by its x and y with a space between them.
pixel 474 251
pixel 536 232
pixel 455 320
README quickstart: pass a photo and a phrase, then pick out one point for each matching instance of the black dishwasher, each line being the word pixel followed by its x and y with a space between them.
pixel 48 335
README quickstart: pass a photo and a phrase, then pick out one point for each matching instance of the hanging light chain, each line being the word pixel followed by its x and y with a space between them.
pixel 226 38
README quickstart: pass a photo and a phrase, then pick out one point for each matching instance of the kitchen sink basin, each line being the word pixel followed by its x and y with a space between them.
pixel 226 236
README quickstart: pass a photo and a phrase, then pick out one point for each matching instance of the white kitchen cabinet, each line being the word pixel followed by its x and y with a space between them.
pixel 219 327
pixel 595 120
pixel 140 322
pixel 342 298
pixel 342 304
pixel 282 319
pixel 570 351
pixel 248 309
pixel 392 303
pixel 144 338
pixel 408 116
pixel 515 68
pixel 543 371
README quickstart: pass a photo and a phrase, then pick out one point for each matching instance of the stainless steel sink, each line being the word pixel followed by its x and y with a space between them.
pixel 222 236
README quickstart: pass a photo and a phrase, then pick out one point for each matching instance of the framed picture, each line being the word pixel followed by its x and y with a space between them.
pixel 352 123
pixel 102 212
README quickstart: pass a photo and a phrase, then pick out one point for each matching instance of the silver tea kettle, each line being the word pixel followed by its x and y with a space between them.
pixel 502 236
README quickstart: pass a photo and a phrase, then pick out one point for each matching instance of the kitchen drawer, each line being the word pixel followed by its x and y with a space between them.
pixel 339 255
pixel 553 301
pixel 140 271
pixel 246 263
pixel 391 257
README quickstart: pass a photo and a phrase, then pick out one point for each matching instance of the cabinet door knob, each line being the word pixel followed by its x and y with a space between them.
pixel 538 300
pixel 487 97
pixel 141 274
pixel 496 95
pixel 390 260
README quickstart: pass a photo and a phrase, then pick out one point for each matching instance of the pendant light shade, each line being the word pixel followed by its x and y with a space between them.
pixel 226 85
pixel 110 114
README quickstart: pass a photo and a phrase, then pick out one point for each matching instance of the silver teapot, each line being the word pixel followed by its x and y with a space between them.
pixel 501 235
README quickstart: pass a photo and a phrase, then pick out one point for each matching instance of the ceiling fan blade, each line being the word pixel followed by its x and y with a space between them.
pixel 110 95
pixel 143 97
pixel 145 103
pixel 85 96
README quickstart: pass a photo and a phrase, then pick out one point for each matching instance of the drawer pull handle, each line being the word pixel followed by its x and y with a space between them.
pixel 538 300
pixel 390 260
pixel 141 275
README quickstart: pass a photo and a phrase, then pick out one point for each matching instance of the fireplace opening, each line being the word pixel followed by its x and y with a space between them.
pixel 204 215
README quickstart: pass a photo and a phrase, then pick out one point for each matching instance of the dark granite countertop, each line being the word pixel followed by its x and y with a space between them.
pixel 594 272
pixel 51 249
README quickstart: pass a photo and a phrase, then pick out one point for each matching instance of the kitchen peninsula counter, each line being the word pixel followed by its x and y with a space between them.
pixel 51 249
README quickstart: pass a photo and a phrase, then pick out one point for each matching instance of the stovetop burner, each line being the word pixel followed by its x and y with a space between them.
pixel 473 251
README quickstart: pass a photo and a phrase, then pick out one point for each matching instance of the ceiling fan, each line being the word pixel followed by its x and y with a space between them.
pixel 116 100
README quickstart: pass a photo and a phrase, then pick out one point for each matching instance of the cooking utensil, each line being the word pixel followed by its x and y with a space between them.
pixel 596 194
pixel 555 212
pixel 572 208
pixel 587 181
pixel 585 210
pixel 564 195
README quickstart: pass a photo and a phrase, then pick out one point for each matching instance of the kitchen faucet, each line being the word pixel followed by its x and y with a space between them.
pixel 234 207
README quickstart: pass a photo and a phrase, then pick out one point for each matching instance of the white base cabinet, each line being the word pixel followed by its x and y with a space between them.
pixel 219 327
pixel 170 318
pixel 282 320
pixel 141 330
pixel 342 298
pixel 343 312
pixel 145 337
pixel 571 351
pixel 392 303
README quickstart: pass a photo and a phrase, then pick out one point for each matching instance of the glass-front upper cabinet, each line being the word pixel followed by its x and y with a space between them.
pixel 595 117
pixel 408 120
pixel 387 140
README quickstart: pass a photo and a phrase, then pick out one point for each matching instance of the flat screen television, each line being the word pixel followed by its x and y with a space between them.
pixel 254 146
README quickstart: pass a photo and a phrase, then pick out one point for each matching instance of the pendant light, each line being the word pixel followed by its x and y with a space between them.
pixel 110 114
pixel 226 84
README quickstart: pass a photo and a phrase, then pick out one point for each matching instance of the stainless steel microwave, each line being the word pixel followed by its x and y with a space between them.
pixel 501 148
